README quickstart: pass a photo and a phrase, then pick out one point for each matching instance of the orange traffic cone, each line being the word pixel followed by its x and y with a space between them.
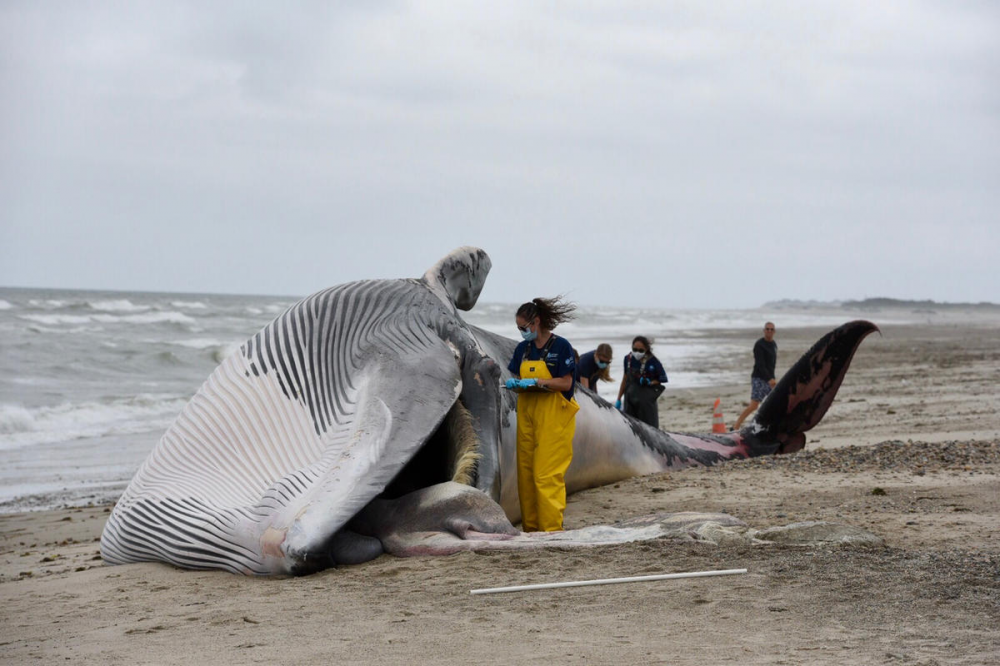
pixel 717 424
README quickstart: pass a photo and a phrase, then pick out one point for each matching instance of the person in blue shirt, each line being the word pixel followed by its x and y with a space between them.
pixel 595 365
pixel 544 369
pixel 642 384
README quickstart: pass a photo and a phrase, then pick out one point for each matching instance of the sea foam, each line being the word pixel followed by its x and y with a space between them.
pixel 23 426
pixel 48 304
pixel 168 317
pixel 119 305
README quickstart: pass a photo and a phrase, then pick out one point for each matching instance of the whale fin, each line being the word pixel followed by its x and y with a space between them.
pixel 800 400
pixel 459 277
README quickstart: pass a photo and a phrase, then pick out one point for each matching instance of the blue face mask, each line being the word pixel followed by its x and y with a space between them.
pixel 602 365
pixel 529 335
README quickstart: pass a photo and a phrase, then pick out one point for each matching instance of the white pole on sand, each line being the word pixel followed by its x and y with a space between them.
pixel 608 581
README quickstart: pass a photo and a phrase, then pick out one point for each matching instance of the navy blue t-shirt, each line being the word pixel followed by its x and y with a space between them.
pixel 651 368
pixel 559 359
pixel 588 368
pixel 765 357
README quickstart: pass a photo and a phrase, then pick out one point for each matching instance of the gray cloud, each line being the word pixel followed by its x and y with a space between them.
pixel 677 155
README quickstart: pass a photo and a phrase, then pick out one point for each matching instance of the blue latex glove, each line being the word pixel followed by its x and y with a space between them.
pixel 618 404
pixel 644 381
pixel 527 383
pixel 511 383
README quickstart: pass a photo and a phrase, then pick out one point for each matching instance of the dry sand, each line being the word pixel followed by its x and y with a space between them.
pixel 930 595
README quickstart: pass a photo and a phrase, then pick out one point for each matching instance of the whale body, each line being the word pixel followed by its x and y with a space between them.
pixel 365 401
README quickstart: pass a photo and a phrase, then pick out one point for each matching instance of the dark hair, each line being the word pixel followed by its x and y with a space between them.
pixel 645 343
pixel 550 311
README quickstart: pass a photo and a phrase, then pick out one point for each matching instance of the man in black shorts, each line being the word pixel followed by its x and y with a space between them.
pixel 765 357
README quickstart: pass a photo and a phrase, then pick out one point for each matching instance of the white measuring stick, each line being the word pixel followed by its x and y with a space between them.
pixel 608 581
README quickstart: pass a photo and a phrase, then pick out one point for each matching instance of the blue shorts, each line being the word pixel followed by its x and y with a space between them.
pixel 759 388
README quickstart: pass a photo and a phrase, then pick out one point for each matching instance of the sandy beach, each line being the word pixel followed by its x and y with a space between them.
pixel 909 451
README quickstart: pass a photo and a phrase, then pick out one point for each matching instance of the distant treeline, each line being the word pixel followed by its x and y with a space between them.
pixel 882 303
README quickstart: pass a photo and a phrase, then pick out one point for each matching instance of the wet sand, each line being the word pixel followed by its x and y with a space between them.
pixel 910 451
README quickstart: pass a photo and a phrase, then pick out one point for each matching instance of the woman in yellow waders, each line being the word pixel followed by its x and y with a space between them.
pixel 545 367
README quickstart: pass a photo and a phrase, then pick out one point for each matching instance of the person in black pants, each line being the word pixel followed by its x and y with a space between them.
pixel 642 384
pixel 765 357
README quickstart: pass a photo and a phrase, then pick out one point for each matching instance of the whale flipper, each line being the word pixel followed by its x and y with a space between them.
pixel 800 400
pixel 459 277
pixel 402 402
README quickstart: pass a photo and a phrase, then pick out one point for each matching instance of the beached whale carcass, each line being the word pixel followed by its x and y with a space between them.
pixel 376 390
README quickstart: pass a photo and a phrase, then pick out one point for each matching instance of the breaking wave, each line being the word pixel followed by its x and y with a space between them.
pixel 120 305
pixel 78 329
pixel 49 304
pixel 24 426
pixel 168 317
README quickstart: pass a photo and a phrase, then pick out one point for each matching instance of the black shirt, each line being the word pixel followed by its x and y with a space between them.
pixel 589 370
pixel 765 357
pixel 650 368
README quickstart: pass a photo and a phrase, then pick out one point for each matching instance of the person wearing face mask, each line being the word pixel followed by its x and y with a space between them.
pixel 642 384
pixel 594 365
pixel 544 367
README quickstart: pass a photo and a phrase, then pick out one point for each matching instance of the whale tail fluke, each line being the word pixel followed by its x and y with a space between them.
pixel 799 401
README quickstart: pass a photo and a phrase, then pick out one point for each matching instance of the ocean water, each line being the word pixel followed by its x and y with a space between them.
pixel 90 380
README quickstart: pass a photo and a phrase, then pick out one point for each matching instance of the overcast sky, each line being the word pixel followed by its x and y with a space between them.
pixel 666 154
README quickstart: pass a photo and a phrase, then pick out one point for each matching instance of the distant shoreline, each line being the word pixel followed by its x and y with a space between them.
pixel 874 304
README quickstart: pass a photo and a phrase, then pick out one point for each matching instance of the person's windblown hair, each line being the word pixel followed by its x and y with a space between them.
pixel 550 311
